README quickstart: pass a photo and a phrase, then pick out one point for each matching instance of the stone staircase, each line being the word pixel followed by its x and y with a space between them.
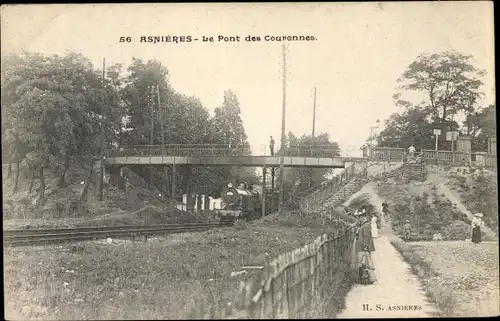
pixel 408 171
pixel 345 192
pixel 395 173
pixel 355 185
pixel 414 171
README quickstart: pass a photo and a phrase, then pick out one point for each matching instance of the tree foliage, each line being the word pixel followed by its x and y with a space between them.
pixel 302 181
pixel 50 109
pixel 448 81
pixel 434 91
pixel 53 109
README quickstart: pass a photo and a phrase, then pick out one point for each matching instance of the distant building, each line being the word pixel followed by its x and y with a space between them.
pixel 492 145
pixel 207 203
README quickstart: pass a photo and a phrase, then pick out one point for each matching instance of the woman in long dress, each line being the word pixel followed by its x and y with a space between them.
pixel 374 226
pixel 476 228
pixel 361 249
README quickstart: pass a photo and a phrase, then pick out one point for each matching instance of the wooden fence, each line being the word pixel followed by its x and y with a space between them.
pixel 385 153
pixel 441 157
pixel 289 285
pixel 459 158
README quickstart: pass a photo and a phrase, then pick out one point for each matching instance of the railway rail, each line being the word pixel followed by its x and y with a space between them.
pixel 39 236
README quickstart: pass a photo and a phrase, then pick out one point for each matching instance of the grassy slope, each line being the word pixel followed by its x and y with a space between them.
pixel 460 277
pixel 477 191
pixel 162 278
pixel 118 207
pixel 429 210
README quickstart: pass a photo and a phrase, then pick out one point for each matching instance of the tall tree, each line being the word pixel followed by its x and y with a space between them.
pixel 408 128
pixel 481 125
pixel 136 94
pixel 228 129
pixel 49 100
pixel 228 125
pixel 185 121
pixel 448 83
pixel 302 181
pixel 442 87
pixel 53 109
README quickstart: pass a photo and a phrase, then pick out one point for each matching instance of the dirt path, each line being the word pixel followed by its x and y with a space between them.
pixel 397 293
pixel 454 198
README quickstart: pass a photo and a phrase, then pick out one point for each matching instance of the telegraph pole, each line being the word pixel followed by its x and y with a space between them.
pixel 161 119
pixel 160 109
pixel 151 134
pixel 313 128
pixel 314 113
pixel 282 133
pixel 101 156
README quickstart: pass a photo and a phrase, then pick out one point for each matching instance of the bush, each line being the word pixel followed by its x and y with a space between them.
pixel 457 230
pixel 240 224
pixel 480 194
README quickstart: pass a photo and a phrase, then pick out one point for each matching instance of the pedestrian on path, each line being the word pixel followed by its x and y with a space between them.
pixel 385 208
pixel 374 226
pixel 476 228
pixel 361 264
pixel 406 230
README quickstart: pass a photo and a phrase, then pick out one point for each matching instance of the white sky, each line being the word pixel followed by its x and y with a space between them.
pixel 362 48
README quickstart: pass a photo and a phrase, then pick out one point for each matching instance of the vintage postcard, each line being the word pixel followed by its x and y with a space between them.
pixel 249 160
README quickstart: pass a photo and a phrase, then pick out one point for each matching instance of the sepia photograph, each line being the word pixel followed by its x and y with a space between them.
pixel 249 160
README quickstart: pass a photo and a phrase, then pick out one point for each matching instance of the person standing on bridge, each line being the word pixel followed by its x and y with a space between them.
pixel 411 151
pixel 271 146
pixel 476 228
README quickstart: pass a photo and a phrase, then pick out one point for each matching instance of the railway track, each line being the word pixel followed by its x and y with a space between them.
pixel 19 237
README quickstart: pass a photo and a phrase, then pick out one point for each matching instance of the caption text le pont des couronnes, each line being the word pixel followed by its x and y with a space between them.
pixel 216 39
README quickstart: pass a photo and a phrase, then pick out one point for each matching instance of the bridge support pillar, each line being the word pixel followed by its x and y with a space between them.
pixel 174 179
pixel 273 172
pixel 263 191
pixel 188 179
pixel 165 174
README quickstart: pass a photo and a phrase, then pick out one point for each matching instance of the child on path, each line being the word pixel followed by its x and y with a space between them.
pixel 406 230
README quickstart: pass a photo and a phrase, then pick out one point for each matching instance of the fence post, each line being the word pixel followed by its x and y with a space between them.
pixel 248 298
pixel 285 287
pixel 273 295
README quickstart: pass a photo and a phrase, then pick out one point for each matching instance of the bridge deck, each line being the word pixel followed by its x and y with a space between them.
pixel 249 161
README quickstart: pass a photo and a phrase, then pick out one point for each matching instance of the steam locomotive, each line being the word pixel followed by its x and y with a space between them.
pixel 239 203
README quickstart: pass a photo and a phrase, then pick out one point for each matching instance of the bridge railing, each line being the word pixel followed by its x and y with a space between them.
pixel 444 156
pixel 174 151
pixel 214 150
pixel 312 152
pixel 459 158
pixel 311 202
pixel 479 159
pixel 385 153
